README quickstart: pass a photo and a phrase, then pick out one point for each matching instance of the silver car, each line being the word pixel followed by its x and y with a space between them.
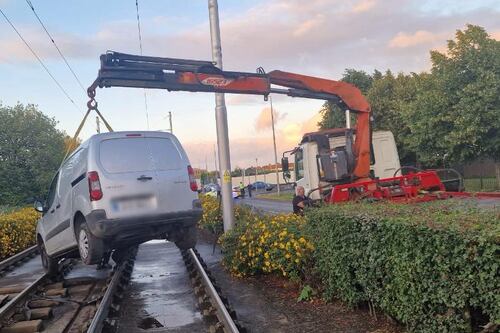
pixel 117 190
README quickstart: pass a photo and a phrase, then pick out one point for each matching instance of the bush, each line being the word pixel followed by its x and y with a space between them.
pixel 431 266
pixel 17 231
pixel 267 244
pixel 212 215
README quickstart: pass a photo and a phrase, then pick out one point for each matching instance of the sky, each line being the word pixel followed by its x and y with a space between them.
pixel 315 37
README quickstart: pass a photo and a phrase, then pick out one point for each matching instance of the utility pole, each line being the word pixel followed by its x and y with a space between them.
pixel 256 168
pixel 170 121
pixel 274 143
pixel 221 122
pixel 98 124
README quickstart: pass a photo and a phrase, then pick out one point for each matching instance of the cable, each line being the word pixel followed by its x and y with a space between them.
pixel 140 47
pixel 40 61
pixel 57 48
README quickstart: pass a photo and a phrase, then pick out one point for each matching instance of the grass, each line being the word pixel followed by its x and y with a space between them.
pixel 474 184
pixel 283 196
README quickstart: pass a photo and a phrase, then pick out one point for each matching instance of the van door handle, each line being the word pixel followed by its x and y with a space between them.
pixel 58 205
pixel 52 210
pixel 144 178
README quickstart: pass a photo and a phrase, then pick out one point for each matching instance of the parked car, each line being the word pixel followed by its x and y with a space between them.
pixel 262 185
pixel 118 190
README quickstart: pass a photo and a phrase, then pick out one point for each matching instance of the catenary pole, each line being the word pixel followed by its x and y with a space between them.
pixel 274 144
pixel 221 122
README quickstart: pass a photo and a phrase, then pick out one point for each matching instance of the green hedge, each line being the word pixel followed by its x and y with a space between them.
pixel 431 266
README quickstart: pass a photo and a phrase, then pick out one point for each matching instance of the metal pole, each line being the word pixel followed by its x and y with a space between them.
pixel 256 168
pixel 274 143
pixel 221 122
pixel 170 120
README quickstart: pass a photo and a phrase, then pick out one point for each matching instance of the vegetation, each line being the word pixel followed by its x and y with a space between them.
pixel 433 267
pixel 449 113
pixel 31 150
pixel 17 231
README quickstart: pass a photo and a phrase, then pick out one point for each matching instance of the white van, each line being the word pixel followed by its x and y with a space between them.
pixel 117 190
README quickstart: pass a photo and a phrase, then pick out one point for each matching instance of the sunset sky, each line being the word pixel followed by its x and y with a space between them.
pixel 315 37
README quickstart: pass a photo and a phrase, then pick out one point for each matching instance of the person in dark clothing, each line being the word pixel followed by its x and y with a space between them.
pixel 249 189
pixel 242 190
pixel 299 201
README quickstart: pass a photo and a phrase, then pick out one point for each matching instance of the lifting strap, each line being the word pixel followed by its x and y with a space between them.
pixel 91 105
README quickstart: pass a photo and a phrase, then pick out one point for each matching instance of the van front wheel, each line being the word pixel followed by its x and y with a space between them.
pixel 51 265
pixel 90 247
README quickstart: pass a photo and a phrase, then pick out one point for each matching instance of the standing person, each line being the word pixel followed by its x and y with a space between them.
pixel 242 189
pixel 299 201
pixel 249 188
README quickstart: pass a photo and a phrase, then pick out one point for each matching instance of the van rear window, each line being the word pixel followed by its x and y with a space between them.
pixel 138 154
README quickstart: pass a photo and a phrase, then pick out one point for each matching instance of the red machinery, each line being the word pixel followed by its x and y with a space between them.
pixel 125 70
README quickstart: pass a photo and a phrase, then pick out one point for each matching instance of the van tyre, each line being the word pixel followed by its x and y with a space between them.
pixel 90 247
pixel 187 238
pixel 51 265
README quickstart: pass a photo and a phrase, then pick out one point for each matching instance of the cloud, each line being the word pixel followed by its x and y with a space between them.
pixel 403 40
pixel 245 150
pixel 364 6
pixel 264 121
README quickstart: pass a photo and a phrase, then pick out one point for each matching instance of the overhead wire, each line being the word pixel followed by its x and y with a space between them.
pixel 56 46
pixel 40 61
pixel 140 48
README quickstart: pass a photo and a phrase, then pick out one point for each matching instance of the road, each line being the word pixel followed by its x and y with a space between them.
pixel 269 206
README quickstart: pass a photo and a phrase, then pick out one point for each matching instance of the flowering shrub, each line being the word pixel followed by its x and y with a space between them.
pixel 17 231
pixel 211 219
pixel 267 244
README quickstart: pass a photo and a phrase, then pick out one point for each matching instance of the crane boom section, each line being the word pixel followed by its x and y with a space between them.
pixel 125 70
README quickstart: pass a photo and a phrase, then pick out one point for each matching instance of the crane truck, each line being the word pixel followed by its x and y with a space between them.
pixel 350 163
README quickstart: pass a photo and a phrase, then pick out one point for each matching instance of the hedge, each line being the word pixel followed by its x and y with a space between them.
pixel 17 231
pixel 434 267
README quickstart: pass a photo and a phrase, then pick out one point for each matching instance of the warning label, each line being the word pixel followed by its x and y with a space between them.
pixel 227 177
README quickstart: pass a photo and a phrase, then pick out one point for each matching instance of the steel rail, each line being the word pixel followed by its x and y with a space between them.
pixel 4 310
pixel 101 314
pixel 222 313
pixel 18 257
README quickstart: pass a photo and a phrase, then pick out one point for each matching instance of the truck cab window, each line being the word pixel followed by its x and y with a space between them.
pixel 299 164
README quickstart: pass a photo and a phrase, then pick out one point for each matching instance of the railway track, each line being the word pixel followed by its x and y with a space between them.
pixel 17 259
pixel 77 302
pixel 66 303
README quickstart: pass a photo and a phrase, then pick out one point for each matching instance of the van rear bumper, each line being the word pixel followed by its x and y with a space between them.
pixel 139 227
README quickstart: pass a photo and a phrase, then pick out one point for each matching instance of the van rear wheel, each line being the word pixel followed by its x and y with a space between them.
pixel 187 238
pixel 51 265
pixel 90 247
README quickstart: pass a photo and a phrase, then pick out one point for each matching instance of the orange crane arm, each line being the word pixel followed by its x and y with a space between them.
pixel 125 70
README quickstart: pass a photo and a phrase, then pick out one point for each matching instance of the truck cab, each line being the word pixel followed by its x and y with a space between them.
pixel 310 169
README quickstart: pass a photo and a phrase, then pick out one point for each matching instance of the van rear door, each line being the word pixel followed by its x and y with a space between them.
pixel 127 175
pixel 171 171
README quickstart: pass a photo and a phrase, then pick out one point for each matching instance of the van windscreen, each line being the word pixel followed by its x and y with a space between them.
pixel 138 154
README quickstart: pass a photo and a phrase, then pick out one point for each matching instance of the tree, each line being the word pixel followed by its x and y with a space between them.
pixel 331 115
pixel 31 150
pixel 457 112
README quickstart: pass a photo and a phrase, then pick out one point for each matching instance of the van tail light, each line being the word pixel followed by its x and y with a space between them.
pixel 95 190
pixel 192 180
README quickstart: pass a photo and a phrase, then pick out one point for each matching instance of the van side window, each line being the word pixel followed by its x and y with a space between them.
pixel 52 191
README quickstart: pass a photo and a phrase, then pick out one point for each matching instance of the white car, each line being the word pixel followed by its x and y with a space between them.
pixel 117 190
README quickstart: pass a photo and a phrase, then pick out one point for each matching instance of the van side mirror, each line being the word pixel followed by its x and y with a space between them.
pixel 284 164
pixel 39 207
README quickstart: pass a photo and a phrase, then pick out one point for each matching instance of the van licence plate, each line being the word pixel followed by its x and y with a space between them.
pixel 134 204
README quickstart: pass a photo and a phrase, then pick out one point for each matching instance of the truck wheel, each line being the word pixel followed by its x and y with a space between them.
pixel 51 265
pixel 90 247
pixel 187 238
